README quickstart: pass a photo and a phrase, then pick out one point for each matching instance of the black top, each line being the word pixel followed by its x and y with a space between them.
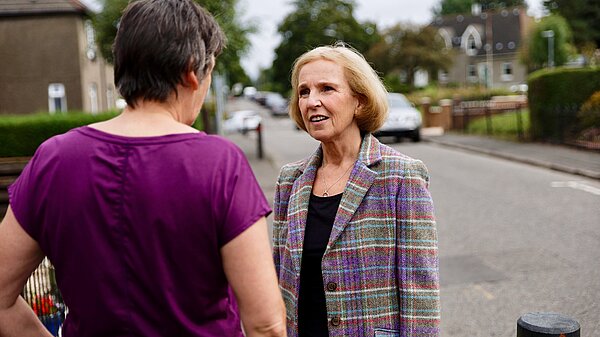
pixel 312 309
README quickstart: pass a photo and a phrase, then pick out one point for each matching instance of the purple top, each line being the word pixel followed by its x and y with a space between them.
pixel 134 226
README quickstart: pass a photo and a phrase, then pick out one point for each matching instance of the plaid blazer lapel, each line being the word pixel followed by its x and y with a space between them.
pixel 361 179
pixel 298 206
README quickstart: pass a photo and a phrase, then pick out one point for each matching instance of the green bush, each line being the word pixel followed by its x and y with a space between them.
pixel 20 135
pixel 555 97
pixel 589 115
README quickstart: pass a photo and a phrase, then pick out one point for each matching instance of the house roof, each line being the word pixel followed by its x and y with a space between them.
pixel 41 7
pixel 506 29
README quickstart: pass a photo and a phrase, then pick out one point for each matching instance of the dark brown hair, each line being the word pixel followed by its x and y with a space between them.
pixel 160 40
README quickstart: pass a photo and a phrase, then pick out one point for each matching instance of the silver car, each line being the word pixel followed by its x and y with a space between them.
pixel 242 121
pixel 403 119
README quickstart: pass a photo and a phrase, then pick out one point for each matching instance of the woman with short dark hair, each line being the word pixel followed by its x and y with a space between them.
pixel 154 228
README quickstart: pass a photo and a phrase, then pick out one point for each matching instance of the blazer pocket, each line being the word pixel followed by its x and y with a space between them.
pixel 386 333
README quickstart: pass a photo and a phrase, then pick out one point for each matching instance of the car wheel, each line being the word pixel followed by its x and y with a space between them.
pixel 416 136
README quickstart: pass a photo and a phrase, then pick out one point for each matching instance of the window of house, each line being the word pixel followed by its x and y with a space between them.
pixel 57 98
pixel 471 41
pixel 507 71
pixel 110 96
pixel 442 76
pixel 90 36
pixel 93 93
pixel 471 73
pixel 471 46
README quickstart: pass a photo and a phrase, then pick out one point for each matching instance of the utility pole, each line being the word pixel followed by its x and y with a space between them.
pixel 549 34
pixel 489 48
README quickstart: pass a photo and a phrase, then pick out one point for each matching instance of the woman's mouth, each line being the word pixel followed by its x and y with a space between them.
pixel 318 118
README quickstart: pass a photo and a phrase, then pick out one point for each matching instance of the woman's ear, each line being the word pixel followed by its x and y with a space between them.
pixel 191 80
pixel 359 104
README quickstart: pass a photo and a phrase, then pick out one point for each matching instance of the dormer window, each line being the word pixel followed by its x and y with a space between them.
pixel 445 37
pixel 471 41
pixel 471 46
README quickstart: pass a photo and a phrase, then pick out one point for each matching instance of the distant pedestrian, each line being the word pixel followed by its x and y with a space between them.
pixel 154 228
pixel 355 241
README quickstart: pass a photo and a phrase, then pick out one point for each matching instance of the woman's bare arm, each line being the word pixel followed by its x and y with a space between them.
pixel 19 256
pixel 249 267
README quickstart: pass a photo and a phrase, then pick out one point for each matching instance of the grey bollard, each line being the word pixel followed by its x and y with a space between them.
pixel 546 324
pixel 259 141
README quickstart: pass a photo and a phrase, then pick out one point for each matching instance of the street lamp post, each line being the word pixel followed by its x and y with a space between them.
pixel 549 34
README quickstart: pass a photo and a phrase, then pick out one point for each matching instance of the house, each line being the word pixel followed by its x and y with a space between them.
pixel 49 60
pixel 485 46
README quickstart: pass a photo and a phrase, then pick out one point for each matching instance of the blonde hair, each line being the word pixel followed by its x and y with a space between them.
pixel 362 79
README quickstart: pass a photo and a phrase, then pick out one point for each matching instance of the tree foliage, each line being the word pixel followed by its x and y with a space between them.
pixel 228 63
pixel 447 7
pixel 314 23
pixel 404 50
pixel 536 53
pixel 583 16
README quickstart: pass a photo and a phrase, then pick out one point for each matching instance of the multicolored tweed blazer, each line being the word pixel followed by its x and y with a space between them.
pixel 380 267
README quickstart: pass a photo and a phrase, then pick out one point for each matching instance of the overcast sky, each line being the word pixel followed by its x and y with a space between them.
pixel 269 13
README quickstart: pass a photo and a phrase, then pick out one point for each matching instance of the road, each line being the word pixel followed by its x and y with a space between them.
pixel 513 238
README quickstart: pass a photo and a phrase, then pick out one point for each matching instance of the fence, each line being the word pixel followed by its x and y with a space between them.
pixel 456 114
pixel 465 112
pixel 42 294
pixel 558 124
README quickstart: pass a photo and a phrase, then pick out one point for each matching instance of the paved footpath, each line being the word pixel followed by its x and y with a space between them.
pixel 556 157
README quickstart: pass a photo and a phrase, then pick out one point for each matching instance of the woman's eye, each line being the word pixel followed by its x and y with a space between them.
pixel 327 88
pixel 304 92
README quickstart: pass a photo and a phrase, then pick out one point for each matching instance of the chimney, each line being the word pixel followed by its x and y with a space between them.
pixel 476 9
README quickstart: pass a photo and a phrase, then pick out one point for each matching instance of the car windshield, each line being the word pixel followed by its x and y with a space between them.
pixel 398 102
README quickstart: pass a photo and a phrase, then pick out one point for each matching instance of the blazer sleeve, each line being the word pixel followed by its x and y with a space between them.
pixel 417 254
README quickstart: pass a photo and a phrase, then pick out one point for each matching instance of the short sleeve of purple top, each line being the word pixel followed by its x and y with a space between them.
pixel 134 227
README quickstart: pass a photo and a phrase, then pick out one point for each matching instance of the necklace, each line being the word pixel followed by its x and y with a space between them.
pixel 325 194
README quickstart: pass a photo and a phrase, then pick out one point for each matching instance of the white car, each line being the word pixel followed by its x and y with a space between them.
pixel 403 119
pixel 242 121
pixel 277 104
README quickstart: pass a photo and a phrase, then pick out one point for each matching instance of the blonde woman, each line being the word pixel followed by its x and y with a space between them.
pixel 355 242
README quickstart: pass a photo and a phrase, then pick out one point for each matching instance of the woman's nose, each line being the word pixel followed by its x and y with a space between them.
pixel 314 101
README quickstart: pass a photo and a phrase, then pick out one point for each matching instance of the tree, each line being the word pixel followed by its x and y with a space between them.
pixel 228 63
pixel 106 23
pixel 314 23
pixel 583 16
pixel 447 7
pixel 404 50
pixel 536 54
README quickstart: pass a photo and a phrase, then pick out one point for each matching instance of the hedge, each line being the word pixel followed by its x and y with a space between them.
pixel 20 135
pixel 555 97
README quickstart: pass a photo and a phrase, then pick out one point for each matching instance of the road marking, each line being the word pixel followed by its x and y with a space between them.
pixel 485 293
pixel 578 185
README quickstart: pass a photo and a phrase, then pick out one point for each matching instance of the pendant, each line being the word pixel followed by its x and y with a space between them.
pixel 325 194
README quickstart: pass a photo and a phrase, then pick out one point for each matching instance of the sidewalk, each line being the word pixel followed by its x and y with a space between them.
pixel 555 157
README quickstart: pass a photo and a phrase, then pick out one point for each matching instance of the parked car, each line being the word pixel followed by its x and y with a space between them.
pixel 249 92
pixel 242 121
pixel 403 119
pixel 260 97
pixel 277 104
